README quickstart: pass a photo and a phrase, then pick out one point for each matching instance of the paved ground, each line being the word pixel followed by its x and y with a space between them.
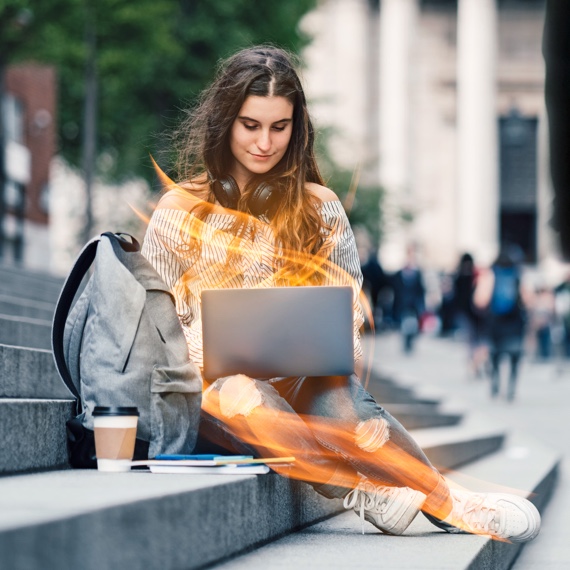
pixel 541 409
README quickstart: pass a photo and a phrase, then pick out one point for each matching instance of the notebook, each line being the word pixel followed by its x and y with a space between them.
pixel 211 464
pixel 219 470
pixel 280 331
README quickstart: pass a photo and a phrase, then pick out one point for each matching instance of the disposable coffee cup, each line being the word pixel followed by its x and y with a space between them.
pixel 115 434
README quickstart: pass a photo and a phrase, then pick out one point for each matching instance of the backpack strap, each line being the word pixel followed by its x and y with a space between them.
pixel 70 287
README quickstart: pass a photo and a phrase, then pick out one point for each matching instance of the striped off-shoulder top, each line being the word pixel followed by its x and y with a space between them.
pixel 188 270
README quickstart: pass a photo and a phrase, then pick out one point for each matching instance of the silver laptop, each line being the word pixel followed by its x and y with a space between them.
pixel 281 331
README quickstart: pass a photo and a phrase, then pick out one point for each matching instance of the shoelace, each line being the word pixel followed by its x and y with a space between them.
pixel 479 515
pixel 367 497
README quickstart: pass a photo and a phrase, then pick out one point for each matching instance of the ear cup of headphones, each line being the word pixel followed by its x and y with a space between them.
pixel 227 192
pixel 264 201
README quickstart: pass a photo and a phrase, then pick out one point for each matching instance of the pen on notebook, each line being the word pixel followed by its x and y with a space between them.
pixel 267 460
pixel 200 457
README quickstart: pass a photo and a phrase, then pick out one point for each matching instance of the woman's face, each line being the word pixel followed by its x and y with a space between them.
pixel 260 135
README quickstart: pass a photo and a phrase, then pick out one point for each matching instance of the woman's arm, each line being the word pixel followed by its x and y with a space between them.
pixel 166 247
pixel 341 244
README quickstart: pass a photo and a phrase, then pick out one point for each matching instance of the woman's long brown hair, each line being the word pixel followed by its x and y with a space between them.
pixel 202 144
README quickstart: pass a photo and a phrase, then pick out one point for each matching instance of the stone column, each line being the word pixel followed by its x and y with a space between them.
pixel 350 32
pixel 337 79
pixel 397 32
pixel 547 243
pixel 477 150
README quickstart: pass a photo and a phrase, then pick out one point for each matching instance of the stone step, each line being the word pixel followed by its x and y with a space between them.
pixel 33 434
pixel 29 373
pixel 16 306
pixel 338 542
pixel 387 389
pixel 90 520
pixel 421 407
pixel 454 446
pixel 419 416
pixel 31 291
pixel 25 331
pixel 30 285
pixel 447 447
pixel 383 393
pixel 63 519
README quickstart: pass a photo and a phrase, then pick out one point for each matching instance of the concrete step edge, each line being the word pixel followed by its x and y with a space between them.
pixel 32 303
pixel 33 434
pixel 27 320
pixel 25 332
pixel 453 446
pixel 29 373
pixel 24 311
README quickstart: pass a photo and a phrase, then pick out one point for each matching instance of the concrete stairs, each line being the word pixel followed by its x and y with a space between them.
pixel 25 331
pixel 52 517
pixel 22 284
pixel 338 542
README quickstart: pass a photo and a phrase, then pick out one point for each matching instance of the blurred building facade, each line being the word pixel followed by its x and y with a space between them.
pixel 442 103
pixel 29 144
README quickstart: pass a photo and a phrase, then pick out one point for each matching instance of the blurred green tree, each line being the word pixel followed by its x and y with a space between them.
pixel 147 57
pixel 362 201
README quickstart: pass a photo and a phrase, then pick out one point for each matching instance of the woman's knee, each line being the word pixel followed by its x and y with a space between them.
pixel 371 435
pixel 236 395
pixel 370 424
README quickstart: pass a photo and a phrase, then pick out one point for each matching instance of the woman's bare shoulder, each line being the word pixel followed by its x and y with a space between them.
pixel 186 196
pixel 177 199
pixel 321 192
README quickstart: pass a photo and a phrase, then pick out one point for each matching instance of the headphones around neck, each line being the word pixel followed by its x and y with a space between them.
pixel 262 203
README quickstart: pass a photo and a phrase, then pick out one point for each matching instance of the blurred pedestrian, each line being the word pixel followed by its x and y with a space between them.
pixel 541 321
pixel 469 317
pixel 499 293
pixel 374 280
pixel 446 310
pixel 409 299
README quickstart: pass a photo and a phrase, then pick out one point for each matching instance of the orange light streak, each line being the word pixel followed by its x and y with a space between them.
pixel 288 268
pixel 351 194
pixel 255 429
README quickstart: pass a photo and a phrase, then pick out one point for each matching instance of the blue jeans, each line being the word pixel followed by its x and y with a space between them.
pixel 331 425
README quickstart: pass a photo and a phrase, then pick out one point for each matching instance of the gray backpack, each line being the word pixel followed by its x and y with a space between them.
pixel 122 345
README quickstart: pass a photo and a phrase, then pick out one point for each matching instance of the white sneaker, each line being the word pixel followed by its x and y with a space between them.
pixel 498 515
pixel 391 509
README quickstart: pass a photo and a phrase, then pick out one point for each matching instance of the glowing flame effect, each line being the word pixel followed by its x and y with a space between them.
pixel 283 267
pixel 255 428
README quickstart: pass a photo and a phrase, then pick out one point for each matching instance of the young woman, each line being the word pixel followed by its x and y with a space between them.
pixel 251 210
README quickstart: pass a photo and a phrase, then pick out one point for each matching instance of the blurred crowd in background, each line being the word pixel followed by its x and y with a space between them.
pixel 505 309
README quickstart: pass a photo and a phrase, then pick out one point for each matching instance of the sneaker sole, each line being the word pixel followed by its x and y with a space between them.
pixel 406 518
